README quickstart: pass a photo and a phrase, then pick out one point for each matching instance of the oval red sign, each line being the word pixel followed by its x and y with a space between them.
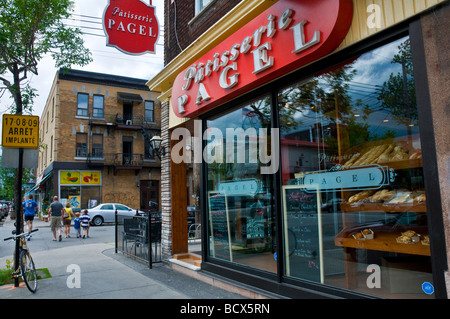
pixel 288 35
pixel 131 26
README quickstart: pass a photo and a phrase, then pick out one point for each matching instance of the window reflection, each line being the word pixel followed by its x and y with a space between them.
pixel 353 193
pixel 240 204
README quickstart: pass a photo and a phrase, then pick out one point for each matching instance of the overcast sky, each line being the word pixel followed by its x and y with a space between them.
pixel 105 59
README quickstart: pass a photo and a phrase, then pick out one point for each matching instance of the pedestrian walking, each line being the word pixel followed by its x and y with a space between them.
pixel 67 219
pixel 85 223
pixel 30 207
pixel 77 224
pixel 55 213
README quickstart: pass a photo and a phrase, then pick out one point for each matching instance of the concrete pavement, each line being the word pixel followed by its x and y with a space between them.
pixel 95 271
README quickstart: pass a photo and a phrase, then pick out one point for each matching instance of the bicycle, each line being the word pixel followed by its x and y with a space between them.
pixel 26 268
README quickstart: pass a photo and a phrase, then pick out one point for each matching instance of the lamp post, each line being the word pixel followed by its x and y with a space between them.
pixel 155 143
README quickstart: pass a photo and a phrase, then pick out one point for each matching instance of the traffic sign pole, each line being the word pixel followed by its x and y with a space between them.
pixel 18 207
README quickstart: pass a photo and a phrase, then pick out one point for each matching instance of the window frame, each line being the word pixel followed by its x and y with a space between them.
pixel 77 153
pixel 152 110
pixel 95 107
pixel 86 109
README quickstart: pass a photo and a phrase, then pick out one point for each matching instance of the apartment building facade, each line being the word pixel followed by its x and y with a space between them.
pixel 95 142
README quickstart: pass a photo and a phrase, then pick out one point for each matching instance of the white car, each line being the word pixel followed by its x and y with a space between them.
pixel 105 213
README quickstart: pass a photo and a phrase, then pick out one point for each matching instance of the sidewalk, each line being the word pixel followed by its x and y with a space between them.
pixel 103 274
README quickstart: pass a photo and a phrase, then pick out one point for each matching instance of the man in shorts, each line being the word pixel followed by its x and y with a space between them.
pixel 55 214
pixel 30 207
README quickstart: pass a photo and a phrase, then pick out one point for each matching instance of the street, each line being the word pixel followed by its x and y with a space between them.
pixel 42 239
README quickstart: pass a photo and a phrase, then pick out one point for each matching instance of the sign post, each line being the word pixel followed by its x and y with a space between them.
pixel 19 131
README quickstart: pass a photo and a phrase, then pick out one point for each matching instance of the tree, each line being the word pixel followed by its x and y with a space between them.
pixel 29 30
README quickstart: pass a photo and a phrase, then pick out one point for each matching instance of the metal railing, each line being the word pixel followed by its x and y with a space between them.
pixel 136 237
pixel 124 159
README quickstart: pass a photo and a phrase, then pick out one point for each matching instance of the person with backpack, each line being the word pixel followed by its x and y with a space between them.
pixel 30 207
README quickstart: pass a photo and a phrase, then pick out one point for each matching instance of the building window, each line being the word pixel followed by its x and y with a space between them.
pixel 81 145
pixel 200 5
pixel 149 115
pixel 97 145
pixel 98 106
pixel 240 198
pixel 340 129
pixel 82 104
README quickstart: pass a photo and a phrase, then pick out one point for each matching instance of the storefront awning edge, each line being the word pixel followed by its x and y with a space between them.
pixel 231 22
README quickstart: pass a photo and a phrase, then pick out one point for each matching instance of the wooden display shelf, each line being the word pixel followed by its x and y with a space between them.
pixel 383 241
pixel 384 207
pixel 404 164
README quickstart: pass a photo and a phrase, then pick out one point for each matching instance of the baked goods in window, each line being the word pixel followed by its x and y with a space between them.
pixel 404 240
pixel 408 237
pixel 382 196
pixel 402 196
pixel 426 240
pixel 360 196
pixel 416 155
pixel 368 233
pixel 419 197
pixel 380 154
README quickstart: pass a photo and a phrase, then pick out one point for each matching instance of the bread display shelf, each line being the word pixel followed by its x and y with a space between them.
pixel 404 164
pixel 384 207
pixel 383 241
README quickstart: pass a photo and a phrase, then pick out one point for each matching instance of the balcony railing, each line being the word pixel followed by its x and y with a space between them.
pixel 124 159
pixel 123 119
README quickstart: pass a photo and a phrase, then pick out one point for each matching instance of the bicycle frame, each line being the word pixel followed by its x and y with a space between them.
pixel 25 262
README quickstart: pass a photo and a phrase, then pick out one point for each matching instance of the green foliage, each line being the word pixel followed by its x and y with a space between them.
pixel 7 177
pixel 29 30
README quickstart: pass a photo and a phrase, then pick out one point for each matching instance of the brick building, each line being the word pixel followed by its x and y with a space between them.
pixel 95 131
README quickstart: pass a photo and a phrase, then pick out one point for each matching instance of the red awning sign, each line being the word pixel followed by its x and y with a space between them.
pixel 285 37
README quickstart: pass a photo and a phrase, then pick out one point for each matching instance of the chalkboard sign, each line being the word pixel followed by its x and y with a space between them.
pixel 219 224
pixel 303 233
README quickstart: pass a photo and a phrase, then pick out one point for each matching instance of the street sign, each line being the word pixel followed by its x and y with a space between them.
pixel 20 131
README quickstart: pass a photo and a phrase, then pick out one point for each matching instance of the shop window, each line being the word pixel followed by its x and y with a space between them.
pixel 98 106
pixel 81 145
pixel 97 145
pixel 80 197
pixel 82 104
pixel 239 199
pixel 353 191
pixel 149 115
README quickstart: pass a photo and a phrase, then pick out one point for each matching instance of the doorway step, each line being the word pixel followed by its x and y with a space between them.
pixel 188 260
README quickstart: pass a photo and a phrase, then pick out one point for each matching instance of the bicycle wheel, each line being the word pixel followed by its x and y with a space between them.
pixel 28 270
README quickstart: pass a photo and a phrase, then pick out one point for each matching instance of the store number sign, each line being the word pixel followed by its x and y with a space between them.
pixel 20 131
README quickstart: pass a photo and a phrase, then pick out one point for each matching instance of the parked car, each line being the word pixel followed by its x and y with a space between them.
pixel 105 213
pixel 3 210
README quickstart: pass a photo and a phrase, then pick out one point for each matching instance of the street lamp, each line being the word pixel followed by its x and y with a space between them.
pixel 155 143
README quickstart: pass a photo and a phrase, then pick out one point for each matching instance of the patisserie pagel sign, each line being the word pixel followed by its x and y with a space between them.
pixel 288 35
pixel 131 26
pixel 371 176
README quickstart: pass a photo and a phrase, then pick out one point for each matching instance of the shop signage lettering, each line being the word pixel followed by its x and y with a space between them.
pixel 364 177
pixel 244 187
pixel 131 26
pixel 286 36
